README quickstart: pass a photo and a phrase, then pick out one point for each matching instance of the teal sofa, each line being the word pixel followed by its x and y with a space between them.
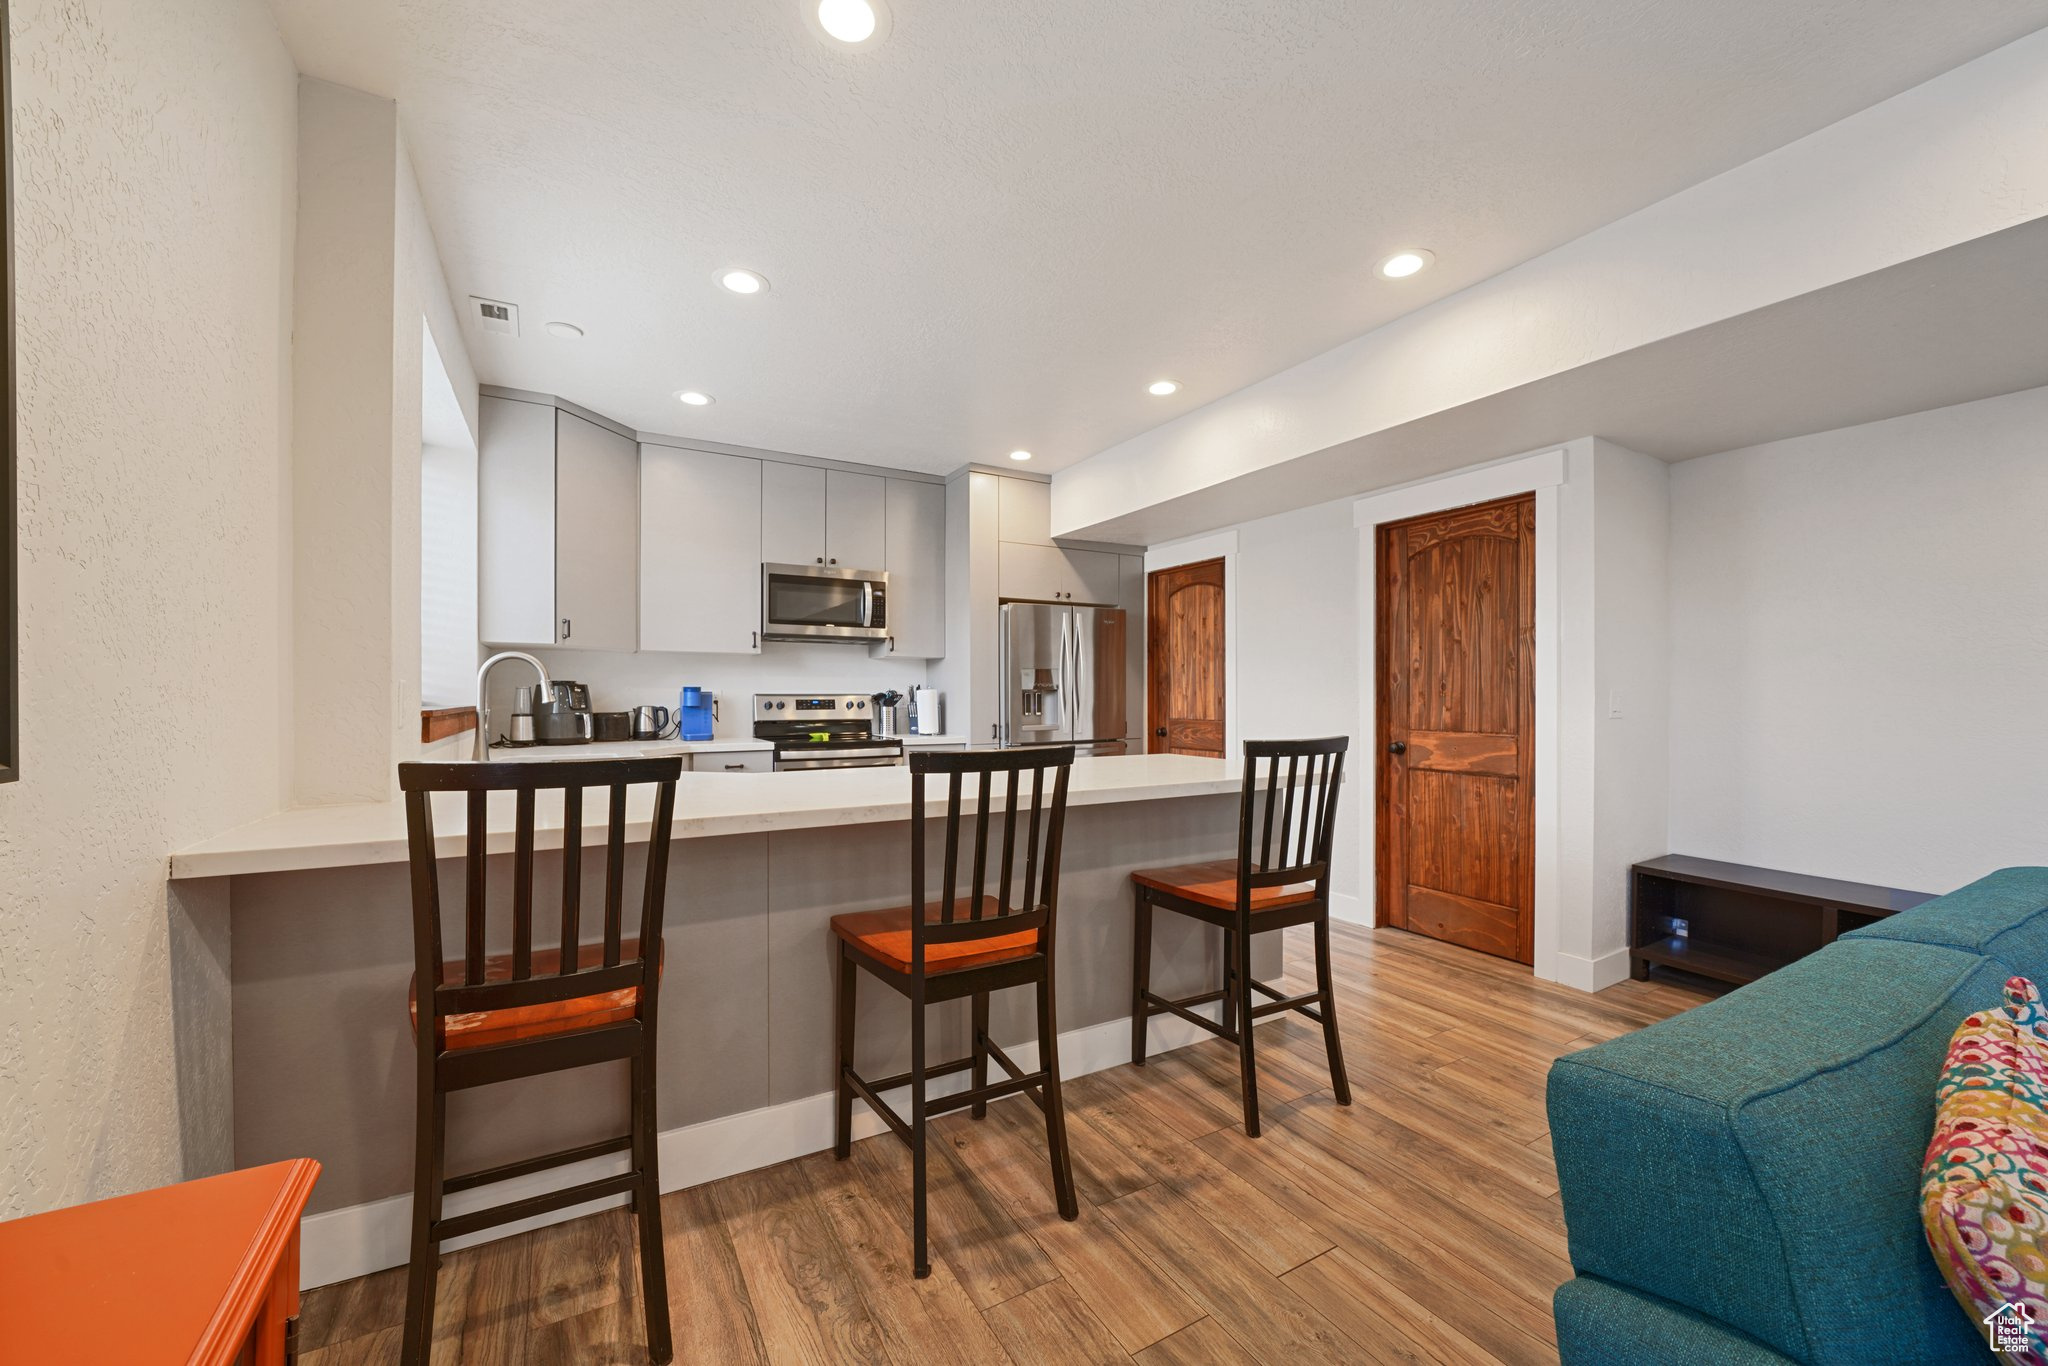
pixel 1741 1182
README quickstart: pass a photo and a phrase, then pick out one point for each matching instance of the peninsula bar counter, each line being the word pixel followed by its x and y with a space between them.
pixel 321 954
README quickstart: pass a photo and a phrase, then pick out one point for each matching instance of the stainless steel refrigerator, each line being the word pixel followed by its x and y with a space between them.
pixel 1062 671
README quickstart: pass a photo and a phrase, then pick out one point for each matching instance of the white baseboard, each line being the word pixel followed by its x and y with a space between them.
pixel 1592 974
pixel 341 1244
pixel 1350 909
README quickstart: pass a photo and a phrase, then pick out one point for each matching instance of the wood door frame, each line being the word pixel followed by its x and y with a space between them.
pixel 1153 681
pixel 1385 895
pixel 1564 830
pixel 1220 545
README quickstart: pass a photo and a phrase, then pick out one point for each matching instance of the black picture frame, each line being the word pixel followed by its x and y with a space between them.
pixel 10 600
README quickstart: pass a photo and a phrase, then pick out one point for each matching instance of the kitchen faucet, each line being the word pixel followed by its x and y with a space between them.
pixel 482 749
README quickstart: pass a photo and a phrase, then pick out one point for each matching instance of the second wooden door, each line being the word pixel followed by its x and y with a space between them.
pixel 1184 660
pixel 1457 610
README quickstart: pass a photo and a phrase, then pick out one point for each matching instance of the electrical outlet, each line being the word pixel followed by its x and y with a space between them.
pixel 1680 929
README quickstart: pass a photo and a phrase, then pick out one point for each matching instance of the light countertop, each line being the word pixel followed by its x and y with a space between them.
pixel 624 749
pixel 707 804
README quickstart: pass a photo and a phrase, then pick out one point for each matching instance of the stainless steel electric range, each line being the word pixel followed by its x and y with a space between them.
pixel 823 730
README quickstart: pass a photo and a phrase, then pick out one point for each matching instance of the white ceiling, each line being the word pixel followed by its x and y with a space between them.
pixel 994 228
pixel 1965 323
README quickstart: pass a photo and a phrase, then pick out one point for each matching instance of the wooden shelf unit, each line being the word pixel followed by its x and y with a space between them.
pixel 1741 922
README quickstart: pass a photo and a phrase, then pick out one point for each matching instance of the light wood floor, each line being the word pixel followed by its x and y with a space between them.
pixel 1420 1224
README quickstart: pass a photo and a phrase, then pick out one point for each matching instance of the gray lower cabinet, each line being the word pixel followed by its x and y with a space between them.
pixel 914 553
pixel 734 761
pixel 557 515
pixel 700 551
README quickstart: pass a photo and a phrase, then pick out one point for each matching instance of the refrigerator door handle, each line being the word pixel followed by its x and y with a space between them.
pixel 1070 674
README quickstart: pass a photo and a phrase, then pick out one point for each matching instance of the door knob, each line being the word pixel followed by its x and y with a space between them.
pixel 1398 747
pixel 1161 732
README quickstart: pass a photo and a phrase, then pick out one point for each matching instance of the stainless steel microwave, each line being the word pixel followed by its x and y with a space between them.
pixel 821 602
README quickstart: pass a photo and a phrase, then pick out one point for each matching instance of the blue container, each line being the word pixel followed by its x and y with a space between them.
pixel 693 714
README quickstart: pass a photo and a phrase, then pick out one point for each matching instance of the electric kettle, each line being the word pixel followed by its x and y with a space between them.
pixel 650 722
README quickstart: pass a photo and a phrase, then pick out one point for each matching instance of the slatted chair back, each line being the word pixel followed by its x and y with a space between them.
pixel 536 978
pixel 1023 856
pixel 1287 814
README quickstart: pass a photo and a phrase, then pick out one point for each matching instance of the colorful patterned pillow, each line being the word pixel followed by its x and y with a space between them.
pixel 1984 1182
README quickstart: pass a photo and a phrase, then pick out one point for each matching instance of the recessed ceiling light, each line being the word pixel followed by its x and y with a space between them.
pixel 566 331
pixel 1160 388
pixel 743 281
pixel 854 23
pixel 1403 264
pixel 1020 455
pixel 693 398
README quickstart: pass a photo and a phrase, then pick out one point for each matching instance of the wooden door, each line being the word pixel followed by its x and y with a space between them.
pixel 1457 816
pixel 1184 660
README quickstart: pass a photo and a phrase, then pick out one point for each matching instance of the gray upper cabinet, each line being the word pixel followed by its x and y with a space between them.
pixel 1024 511
pixel 1028 563
pixel 1050 573
pixel 515 540
pixel 1037 572
pixel 855 520
pixel 597 537
pixel 1094 576
pixel 815 516
pixel 557 529
pixel 792 514
pixel 914 553
pixel 700 551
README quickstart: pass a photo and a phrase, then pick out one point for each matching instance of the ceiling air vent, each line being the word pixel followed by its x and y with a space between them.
pixel 494 316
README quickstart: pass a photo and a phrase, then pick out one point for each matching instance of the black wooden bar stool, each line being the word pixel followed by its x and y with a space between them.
pixel 493 1017
pixel 966 945
pixel 1288 883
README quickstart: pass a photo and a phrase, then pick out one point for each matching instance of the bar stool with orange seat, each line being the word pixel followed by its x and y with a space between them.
pixel 1287 884
pixel 966 946
pixel 493 1017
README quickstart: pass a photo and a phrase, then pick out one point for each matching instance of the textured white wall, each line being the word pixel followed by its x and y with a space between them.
pixel 347 424
pixel 1298 581
pixel 1631 688
pixel 155 197
pixel 1860 644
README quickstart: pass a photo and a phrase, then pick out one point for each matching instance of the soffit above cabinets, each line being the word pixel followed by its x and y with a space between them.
pixel 992 230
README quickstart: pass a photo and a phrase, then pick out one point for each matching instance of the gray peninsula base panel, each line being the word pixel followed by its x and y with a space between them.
pixel 323 1062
